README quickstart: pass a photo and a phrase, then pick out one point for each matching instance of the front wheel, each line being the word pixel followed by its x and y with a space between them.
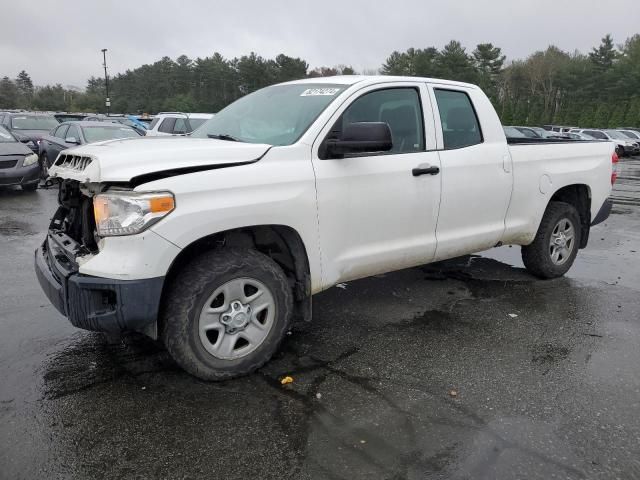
pixel 226 313
pixel 555 247
pixel 44 167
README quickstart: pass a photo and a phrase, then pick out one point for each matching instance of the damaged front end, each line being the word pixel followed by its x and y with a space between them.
pixel 91 303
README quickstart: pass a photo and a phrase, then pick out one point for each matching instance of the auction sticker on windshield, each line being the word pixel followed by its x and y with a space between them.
pixel 311 92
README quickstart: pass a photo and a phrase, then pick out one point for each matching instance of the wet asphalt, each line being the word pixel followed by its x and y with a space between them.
pixel 470 368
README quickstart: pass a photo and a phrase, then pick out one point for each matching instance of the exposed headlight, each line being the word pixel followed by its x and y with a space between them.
pixel 128 213
pixel 29 160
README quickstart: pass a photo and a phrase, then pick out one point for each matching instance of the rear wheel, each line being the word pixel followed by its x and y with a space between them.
pixel 29 187
pixel 226 313
pixel 555 247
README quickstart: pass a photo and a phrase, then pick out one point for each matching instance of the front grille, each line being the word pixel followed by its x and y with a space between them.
pixel 73 162
pixel 8 163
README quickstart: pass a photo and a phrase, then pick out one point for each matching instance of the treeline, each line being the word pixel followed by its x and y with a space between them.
pixel 597 89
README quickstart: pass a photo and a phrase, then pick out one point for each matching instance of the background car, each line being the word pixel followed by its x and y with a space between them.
pixel 513 132
pixel 632 134
pixel 71 134
pixel 68 117
pixel 176 123
pixel 528 132
pixel 18 164
pixel 624 145
pixel 29 128
pixel 579 136
pixel 140 127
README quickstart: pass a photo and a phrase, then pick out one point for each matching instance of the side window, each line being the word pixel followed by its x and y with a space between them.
pixel 460 126
pixel 180 126
pixel 153 123
pixel 596 134
pixel 167 125
pixel 61 132
pixel 398 107
pixel 73 132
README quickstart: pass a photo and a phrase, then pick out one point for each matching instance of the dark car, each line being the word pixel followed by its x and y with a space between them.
pixel 70 134
pixel 69 117
pixel 137 126
pixel 28 127
pixel 18 164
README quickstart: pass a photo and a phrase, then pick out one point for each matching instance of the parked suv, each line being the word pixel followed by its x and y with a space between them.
pixel 176 123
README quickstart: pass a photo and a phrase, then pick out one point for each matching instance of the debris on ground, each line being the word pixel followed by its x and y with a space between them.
pixel 286 380
pixel 343 286
pixel 453 393
pixel 513 315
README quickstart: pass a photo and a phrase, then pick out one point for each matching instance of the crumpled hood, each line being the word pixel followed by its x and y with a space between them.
pixel 126 159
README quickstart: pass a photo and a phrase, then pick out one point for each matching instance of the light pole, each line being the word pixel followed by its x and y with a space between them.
pixel 106 79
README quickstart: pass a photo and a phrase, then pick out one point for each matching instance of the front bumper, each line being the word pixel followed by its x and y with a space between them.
pixel 20 175
pixel 94 303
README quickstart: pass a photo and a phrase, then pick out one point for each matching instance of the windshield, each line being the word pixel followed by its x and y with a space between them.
pixel 616 135
pixel 276 115
pixel 98 134
pixel 6 137
pixel 527 132
pixel 629 134
pixel 196 122
pixel 33 122
pixel 513 133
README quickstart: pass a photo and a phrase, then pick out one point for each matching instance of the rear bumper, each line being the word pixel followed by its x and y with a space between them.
pixel 95 303
pixel 603 213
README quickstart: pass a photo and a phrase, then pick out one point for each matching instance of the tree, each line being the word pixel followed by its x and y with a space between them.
pixel 605 54
pixel 489 62
pixel 455 64
pixel 9 95
pixel 25 89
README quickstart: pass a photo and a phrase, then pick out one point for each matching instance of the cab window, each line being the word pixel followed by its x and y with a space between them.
pixel 460 126
pixel 399 108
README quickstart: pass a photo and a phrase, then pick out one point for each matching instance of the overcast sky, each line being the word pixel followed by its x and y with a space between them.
pixel 60 42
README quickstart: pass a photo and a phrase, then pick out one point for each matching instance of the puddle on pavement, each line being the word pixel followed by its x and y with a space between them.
pixel 9 227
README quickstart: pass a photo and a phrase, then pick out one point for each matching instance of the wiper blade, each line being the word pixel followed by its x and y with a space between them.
pixel 223 136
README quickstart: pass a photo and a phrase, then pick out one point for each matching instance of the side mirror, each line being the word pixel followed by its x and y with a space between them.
pixel 73 140
pixel 24 139
pixel 361 137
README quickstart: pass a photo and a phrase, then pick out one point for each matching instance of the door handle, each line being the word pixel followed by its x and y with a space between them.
pixel 425 170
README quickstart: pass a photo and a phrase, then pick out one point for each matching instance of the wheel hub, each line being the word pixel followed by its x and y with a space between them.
pixel 561 240
pixel 237 317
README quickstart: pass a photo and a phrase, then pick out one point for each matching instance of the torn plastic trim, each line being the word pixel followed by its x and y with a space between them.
pixel 174 172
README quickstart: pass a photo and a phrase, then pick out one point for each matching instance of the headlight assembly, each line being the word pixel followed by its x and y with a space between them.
pixel 128 213
pixel 29 160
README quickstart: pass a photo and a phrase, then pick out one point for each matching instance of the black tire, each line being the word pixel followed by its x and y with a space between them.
pixel 44 166
pixel 537 256
pixel 29 187
pixel 192 287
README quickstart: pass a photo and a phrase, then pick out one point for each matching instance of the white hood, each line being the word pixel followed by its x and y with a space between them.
pixel 122 160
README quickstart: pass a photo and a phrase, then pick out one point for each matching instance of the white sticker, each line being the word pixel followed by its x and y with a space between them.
pixel 312 92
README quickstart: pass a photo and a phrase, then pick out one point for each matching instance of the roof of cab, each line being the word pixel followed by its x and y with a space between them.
pixel 372 79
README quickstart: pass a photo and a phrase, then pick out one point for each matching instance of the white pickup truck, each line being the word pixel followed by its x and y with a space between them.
pixel 214 243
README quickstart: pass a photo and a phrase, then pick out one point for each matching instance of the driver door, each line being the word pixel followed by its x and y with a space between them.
pixel 375 213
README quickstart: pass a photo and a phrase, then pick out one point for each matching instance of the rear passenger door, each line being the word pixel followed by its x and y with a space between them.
pixel 476 172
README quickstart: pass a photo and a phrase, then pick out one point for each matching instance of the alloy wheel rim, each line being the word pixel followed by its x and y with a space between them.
pixel 562 241
pixel 236 318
